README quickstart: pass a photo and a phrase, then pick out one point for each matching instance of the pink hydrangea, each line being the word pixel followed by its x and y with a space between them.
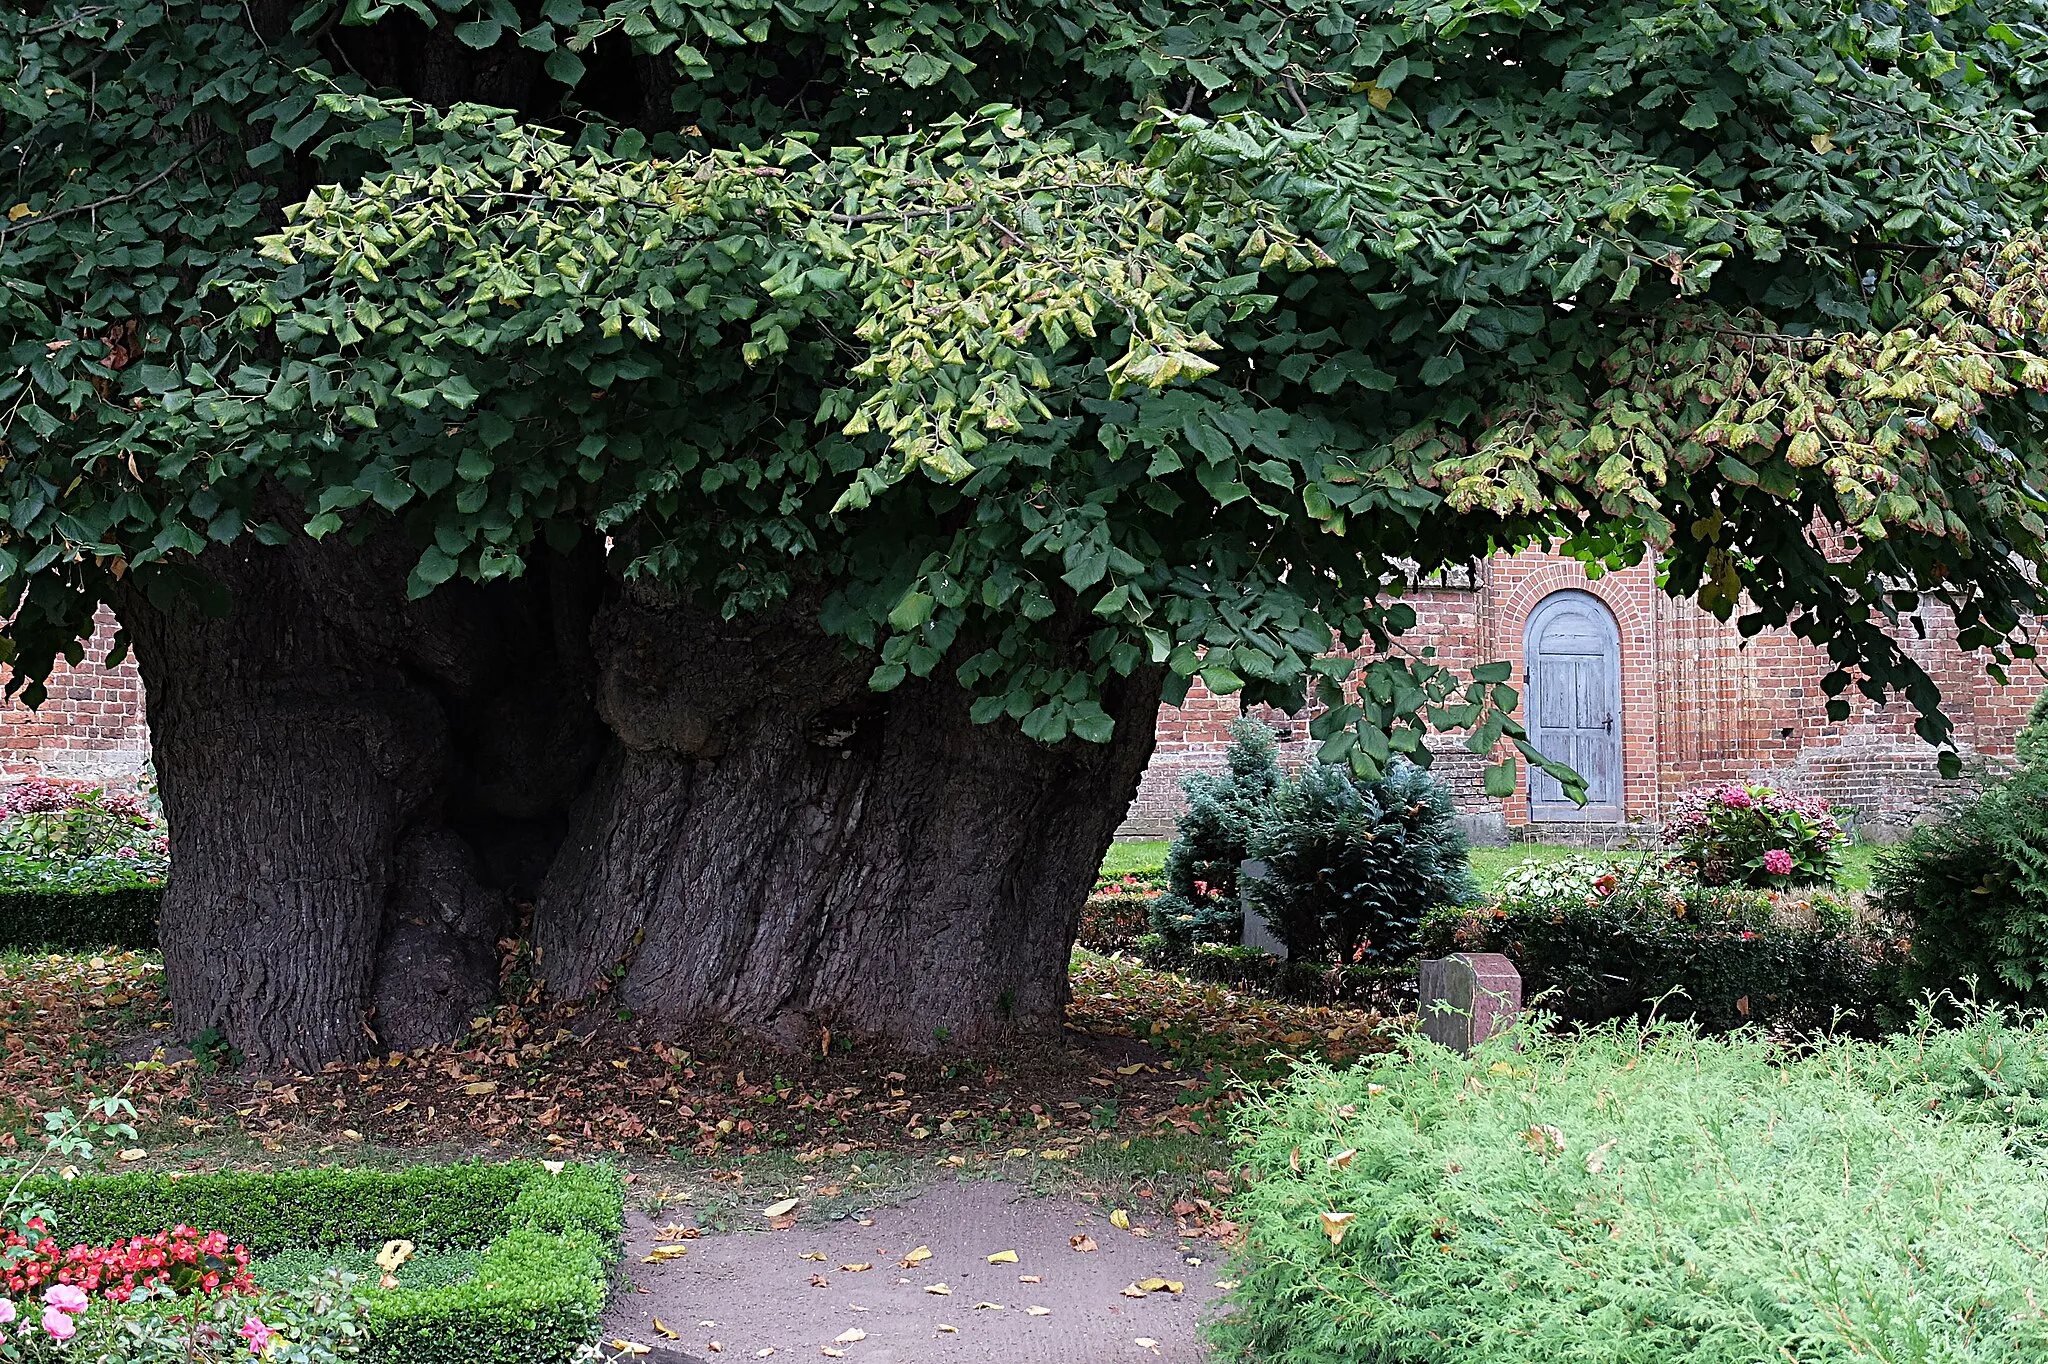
pixel 1734 797
pixel 1778 862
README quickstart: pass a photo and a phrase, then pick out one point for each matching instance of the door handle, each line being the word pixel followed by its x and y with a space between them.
pixel 1608 724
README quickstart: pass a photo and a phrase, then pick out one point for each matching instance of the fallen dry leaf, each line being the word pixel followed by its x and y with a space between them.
pixel 858 1267
pixel 849 1336
pixel 914 1258
pixel 819 1281
pixel 1149 1343
pixel 782 1209
pixel 949 1330
pixel 553 1167
pixel 1039 1311
pixel 1084 1244
pixel 1340 1161
pixel 481 1087
pixel 1133 1291
pixel 1003 1257
pixel 764 1352
pixel 1120 1219
pixel 661 1253
pixel 938 1288
pixel 829 1352
pixel 988 1307
pixel 1335 1224
pixel 1161 1285
pixel 817 1255
pixel 632 1347
pixel 133 1153
pixel 1028 1278
pixel 663 1328
pixel 675 1231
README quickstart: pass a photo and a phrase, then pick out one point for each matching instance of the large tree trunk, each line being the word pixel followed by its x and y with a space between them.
pixel 352 782
pixel 772 846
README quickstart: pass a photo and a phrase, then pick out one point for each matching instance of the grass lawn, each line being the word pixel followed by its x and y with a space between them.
pixel 1147 857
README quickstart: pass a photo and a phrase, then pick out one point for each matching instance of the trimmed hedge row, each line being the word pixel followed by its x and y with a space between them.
pixel 118 916
pixel 549 1241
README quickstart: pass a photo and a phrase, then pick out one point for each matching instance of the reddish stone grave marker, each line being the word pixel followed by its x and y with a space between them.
pixel 1468 997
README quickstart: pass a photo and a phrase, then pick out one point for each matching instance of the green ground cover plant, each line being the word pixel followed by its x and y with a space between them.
pixel 1639 1195
pixel 537 1241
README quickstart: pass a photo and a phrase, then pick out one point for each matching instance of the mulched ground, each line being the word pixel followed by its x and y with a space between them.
pixel 1150 1054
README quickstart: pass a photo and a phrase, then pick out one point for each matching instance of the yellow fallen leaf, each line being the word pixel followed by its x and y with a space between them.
pixel 1133 1291
pixel 849 1336
pixel 1160 1285
pixel 133 1153
pixel 817 1255
pixel 632 1347
pixel 1335 1224
pixel 1120 1219
pixel 782 1209
pixel 663 1328
pixel 914 1258
pixel 1129 1070
pixel 949 1330
pixel 1148 1342
pixel 938 1288
pixel 1341 1161
pixel 1003 1257
pixel 18 212
pixel 481 1087
pixel 1039 1311
pixel 663 1253
pixel 1055 1155
pixel 831 1353
pixel 1028 1278
pixel 858 1267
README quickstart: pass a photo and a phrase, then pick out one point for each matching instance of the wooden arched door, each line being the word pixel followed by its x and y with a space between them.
pixel 1572 648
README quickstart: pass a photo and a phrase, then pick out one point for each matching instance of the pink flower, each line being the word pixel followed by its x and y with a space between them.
pixel 58 1324
pixel 7 1312
pixel 257 1334
pixel 1778 862
pixel 65 1297
pixel 1734 798
pixel 124 852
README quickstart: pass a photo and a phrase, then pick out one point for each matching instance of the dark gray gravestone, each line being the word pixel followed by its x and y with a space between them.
pixel 1257 932
pixel 1467 997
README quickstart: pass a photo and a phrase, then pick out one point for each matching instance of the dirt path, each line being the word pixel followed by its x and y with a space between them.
pixel 756 1295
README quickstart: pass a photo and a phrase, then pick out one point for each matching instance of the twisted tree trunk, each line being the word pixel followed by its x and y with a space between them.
pixel 352 782
pixel 772 846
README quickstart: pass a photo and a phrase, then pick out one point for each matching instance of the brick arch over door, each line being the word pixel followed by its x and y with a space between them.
pixel 1571 645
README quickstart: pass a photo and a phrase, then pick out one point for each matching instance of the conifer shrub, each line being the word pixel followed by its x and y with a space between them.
pixel 1351 864
pixel 1642 1195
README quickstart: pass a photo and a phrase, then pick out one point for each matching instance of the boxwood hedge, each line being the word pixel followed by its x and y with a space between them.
pixel 549 1239
pixel 1633 1195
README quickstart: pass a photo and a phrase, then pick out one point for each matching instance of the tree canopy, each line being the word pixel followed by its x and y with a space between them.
pixel 1043 341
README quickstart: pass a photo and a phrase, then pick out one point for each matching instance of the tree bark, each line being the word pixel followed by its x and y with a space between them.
pixel 352 783
pixel 771 846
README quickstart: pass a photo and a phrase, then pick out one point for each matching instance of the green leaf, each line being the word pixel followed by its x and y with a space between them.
pixel 911 611
pixel 1500 779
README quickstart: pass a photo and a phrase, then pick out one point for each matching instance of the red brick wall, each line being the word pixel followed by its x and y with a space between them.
pixel 91 725
pixel 1700 705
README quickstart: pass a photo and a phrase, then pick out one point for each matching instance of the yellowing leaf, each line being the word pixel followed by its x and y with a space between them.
pixel 915 1257
pixel 1003 1257
pixel 1335 1224
pixel 1378 96
pixel 1120 1219
pixel 632 1347
pixel 1038 1311
pixel 1133 1291
pixel 849 1336
pixel 663 1328
pixel 18 212
pixel 857 1267
pixel 817 1255
pixel 949 1330
pixel 664 1253
pixel 1028 1278
pixel 939 1289
pixel 481 1087
pixel 1156 1285
pixel 1129 1070
pixel 133 1153
pixel 781 1209
pixel 1823 144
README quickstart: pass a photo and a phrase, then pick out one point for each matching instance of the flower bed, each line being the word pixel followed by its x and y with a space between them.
pixel 1646 1195
pixel 547 1238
